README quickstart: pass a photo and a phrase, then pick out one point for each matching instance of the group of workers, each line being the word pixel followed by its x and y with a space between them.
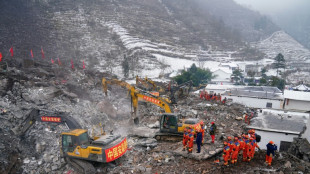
pixel 198 131
pixel 204 95
pixel 245 145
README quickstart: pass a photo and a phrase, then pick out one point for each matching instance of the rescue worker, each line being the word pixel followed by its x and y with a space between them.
pixel 185 138
pixel 207 96
pixel 246 148
pixel 245 116
pixel 212 131
pixel 230 144
pixel 199 137
pixel 190 142
pixel 224 101
pixel 202 131
pixel 226 153
pixel 253 146
pixel 202 94
pixel 241 142
pixel 235 150
pixel 271 148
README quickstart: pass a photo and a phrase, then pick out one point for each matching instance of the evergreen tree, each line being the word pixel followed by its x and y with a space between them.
pixel 280 62
pixel 196 75
pixel 125 66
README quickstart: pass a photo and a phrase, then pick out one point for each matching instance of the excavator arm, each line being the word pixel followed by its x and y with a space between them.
pixel 136 95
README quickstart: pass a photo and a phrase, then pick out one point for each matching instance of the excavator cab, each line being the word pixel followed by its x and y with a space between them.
pixel 74 140
pixel 169 123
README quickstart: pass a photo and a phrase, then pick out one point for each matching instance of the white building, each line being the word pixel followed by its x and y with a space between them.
pixel 296 100
pixel 219 88
pixel 256 96
pixel 222 75
pixel 279 126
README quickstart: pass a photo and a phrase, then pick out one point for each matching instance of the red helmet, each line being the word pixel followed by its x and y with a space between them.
pixel 251 138
pixel 228 138
pixel 189 130
pixel 239 136
pixel 212 122
pixel 201 122
pixel 246 136
pixel 236 138
pixel 225 143
pixel 185 129
pixel 271 142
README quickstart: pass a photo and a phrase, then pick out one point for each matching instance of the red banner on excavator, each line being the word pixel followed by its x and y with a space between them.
pixel 51 119
pixel 116 151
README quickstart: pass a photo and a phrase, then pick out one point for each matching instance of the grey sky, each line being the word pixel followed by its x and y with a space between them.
pixel 272 7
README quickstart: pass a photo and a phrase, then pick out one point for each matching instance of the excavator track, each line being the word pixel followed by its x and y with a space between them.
pixel 81 166
pixel 168 137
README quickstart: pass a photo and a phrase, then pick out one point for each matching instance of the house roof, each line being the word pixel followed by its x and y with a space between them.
pixel 230 64
pixel 279 120
pixel 297 95
pixel 302 87
pixel 224 69
pixel 256 92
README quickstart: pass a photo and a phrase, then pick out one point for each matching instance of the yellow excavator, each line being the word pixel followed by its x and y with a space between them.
pixel 171 125
pixel 150 85
pixel 77 147
pixel 137 95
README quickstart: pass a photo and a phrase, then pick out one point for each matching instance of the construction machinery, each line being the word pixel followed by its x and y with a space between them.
pixel 179 91
pixel 171 125
pixel 77 147
pixel 137 95
pixel 150 85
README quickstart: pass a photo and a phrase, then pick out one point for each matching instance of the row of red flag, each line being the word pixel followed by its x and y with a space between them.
pixel 43 56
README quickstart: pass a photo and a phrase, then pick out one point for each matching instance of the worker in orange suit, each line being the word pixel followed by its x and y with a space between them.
pixel 271 148
pixel 207 96
pixel 253 146
pixel 235 150
pixel 202 94
pixel 245 116
pixel 226 153
pixel 246 148
pixel 185 138
pixel 230 144
pixel 190 141
pixel 202 131
pixel 241 142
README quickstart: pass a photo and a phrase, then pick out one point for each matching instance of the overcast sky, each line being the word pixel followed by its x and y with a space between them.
pixel 272 7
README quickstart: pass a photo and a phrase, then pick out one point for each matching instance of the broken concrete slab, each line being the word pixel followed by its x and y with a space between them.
pixel 143 132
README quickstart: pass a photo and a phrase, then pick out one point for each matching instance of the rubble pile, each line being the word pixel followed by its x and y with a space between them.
pixel 79 95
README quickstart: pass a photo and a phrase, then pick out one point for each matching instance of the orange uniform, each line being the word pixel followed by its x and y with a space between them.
pixel 230 144
pixel 190 142
pixel 185 139
pixel 226 153
pixel 253 146
pixel 246 148
pixel 235 151
pixel 202 131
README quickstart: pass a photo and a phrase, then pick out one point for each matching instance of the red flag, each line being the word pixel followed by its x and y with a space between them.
pixel 42 52
pixel 83 65
pixel 52 60
pixel 59 63
pixel 72 65
pixel 0 57
pixel 11 51
pixel 31 54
